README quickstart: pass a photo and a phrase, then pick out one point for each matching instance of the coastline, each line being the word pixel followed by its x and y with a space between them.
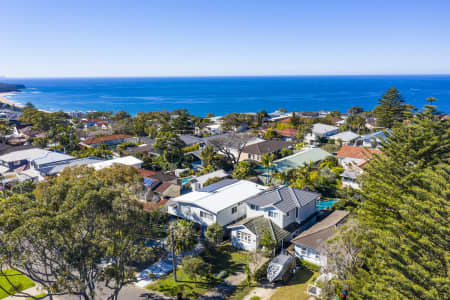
pixel 6 101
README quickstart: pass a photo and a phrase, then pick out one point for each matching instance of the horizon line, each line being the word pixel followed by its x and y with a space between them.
pixel 223 76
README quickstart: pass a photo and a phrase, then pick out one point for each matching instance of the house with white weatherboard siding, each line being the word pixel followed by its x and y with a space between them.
pixel 310 244
pixel 221 202
pixel 282 211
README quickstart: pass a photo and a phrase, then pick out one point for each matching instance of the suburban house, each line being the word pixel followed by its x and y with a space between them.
pixel 257 150
pixel 350 156
pixel 310 244
pixel 31 158
pixel 374 139
pixel 288 134
pixel 346 137
pixel 191 140
pixel 126 160
pixel 198 182
pixel 222 202
pixel 110 140
pixel 320 131
pixel 246 234
pixel 299 159
pixel 350 176
pixel 287 207
pixel 53 169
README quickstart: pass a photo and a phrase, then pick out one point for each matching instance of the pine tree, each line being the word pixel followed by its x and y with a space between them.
pixel 405 216
pixel 390 108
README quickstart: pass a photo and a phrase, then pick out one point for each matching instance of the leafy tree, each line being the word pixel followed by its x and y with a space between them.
pixel 405 215
pixel 196 268
pixel 242 170
pixel 304 128
pixel 211 181
pixel 171 147
pixel 295 120
pixel 231 145
pixel 76 222
pixel 271 134
pixel 268 242
pixel 283 110
pixel 390 108
pixel 354 110
pixel 286 152
pixel 214 233
pixel 184 236
pixel 260 116
pixel 5 129
pixel 182 123
pixel 209 115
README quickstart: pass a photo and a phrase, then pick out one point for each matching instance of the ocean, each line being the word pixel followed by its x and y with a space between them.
pixel 222 95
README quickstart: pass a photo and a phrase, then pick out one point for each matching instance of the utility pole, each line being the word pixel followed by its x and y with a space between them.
pixel 174 259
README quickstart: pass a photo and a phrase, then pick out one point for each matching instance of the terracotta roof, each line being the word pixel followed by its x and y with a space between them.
pixel 266 147
pixel 106 138
pixel 147 173
pixel 150 206
pixel 287 120
pixel 289 132
pixel 357 152
pixel 320 232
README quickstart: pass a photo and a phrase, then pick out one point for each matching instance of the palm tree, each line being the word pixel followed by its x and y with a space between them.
pixel 267 162
pixel 207 155
pixel 282 177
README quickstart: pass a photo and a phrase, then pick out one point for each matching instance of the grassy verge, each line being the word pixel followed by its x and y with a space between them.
pixel 295 289
pixel 224 257
pixel 19 281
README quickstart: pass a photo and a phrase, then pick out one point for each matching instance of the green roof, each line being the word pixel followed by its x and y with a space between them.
pixel 258 224
pixel 299 159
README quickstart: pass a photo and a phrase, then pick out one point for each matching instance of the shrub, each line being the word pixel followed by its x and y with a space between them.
pixel 261 273
pixel 306 265
pixel 255 298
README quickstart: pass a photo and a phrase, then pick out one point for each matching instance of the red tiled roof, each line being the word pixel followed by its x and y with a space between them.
pixel 150 206
pixel 147 173
pixel 106 138
pixel 287 120
pixel 357 152
pixel 289 132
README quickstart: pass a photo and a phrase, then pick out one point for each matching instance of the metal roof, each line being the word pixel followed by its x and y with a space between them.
pixel 301 158
pixel 345 136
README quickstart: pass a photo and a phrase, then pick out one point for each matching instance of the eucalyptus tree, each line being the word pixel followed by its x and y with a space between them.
pixel 80 231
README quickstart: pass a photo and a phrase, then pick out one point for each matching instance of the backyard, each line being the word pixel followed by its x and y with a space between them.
pixel 223 258
pixel 295 289
pixel 20 281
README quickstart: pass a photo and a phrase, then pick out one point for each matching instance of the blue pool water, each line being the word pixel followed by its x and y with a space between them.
pixel 326 204
pixel 222 95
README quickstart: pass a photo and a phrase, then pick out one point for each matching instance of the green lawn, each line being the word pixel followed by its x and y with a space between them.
pixel 20 281
pixel 224 258
pixel 295 289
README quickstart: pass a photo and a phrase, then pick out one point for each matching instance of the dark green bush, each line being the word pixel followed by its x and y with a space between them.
pixel 306 265
pixel 261 273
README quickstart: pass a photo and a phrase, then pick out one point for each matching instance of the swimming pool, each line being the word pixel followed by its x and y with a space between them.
pixel 186 180
pixel 327 204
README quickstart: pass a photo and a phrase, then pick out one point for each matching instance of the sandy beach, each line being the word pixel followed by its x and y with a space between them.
pixel 6 101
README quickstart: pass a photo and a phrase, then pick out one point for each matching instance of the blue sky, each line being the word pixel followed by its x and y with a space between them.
pixel 200 38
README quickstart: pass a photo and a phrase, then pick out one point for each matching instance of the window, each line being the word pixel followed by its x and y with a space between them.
pixel 254 207
pixel 317 256
pixel 303 251
pixel 273 214
pixel 296 212
pixel 244 237
pixel 234 210
pixel 287 214
pixel 206 215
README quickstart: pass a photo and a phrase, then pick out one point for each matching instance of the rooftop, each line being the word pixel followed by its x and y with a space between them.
pixel 320 232
pixel 215 200
pixel 321 129
pixel 283 198
pixel 266 147
pixel 288 132
pixel 300 158
pixel 346 136
pixel 357 152
pixel 126 160
pixel 57 167
pixel 108 138
pixel 34 154
pixel 203 178
pixel 258 224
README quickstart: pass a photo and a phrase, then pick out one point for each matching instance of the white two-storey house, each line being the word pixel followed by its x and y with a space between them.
pixel 286 210
pixel 222 202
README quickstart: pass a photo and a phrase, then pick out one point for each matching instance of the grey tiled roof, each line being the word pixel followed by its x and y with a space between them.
pixel 283 198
